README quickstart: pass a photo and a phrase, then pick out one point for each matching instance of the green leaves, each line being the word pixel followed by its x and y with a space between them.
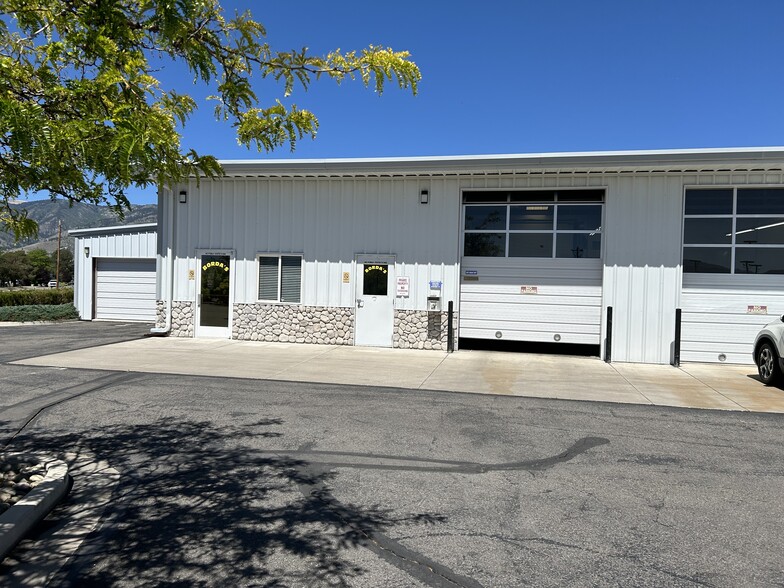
pixel 85 118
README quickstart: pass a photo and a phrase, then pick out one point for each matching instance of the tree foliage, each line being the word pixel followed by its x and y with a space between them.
pixel 36 267
pixel 84 116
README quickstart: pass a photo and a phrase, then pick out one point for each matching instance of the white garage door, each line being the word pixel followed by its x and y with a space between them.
pixel 125 290
pixel 720 319
pixel 530 303
pixel 531 266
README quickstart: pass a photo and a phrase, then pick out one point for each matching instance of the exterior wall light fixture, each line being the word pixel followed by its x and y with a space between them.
pixel 183 197
pixel 87 252
pixel 424 196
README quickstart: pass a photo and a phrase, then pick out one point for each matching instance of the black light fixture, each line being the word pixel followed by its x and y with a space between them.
pixel 87 252
pixel 183 197
pixel 424 196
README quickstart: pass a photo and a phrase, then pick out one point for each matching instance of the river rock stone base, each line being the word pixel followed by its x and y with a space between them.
pixel 419 329
pixel 160 314
pixel 182 319
pixel 293 324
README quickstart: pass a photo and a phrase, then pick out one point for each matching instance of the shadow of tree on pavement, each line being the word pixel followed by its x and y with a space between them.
pixel 196 505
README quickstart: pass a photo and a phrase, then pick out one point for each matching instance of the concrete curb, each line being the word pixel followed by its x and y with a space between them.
pixel 19 520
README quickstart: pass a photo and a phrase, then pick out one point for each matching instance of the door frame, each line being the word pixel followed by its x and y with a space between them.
pixel 390 259
pixel 213 332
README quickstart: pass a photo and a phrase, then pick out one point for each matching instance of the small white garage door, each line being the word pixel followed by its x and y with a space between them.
pixel 125 289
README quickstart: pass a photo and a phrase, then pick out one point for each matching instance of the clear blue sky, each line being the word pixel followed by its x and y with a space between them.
pixel 529 76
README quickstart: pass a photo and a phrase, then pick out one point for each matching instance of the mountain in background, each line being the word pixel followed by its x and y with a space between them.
pixel 77 216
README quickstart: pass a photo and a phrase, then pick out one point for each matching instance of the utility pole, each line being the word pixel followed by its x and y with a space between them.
pixel 59 234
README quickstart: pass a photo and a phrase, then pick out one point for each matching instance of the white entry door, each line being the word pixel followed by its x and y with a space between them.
pixel 375 312
pixel 214 294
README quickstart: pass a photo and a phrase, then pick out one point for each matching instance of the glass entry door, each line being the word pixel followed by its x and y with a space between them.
pixel 214 295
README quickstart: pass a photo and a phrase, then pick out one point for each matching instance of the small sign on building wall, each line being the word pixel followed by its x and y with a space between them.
pixel 403 286
pixel 529 289
pixel 346 277
pixel 191 274
pixel 756 309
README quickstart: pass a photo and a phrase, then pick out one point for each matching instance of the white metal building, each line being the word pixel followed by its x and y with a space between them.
pixel 526 247
pixel 114 273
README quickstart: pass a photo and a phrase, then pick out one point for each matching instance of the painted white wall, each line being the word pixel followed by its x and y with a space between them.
pixel 130 241
pixel 327 220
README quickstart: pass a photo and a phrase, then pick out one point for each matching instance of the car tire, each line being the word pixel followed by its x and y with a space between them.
pixel 768 364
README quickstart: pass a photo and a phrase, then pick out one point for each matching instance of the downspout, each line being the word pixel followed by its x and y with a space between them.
pixel 169 268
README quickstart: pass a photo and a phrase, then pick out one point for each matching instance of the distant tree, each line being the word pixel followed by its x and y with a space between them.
pixel 66 265
pixel 40 263
pixel 84 116
pixel 15 268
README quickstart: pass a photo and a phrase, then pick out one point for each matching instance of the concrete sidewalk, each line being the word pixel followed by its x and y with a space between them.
pixel 724 387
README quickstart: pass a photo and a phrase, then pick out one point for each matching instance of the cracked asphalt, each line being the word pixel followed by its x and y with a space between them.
pixel 259 483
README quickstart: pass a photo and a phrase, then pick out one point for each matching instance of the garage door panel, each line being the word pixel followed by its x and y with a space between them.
pixel 129 303
pixel 114 282
pixel 125 290
pixel 531 300
pixel 567 302
pixel 717 320
pixel 534 336
pixel 731 319
pixel 717 333
pixel 533 313
pixel 546 327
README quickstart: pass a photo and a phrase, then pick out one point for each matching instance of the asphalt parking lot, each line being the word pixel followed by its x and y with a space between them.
pixel 246 481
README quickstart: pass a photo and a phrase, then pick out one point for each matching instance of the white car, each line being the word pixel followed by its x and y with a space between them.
pixel 769 352
pixel 52 284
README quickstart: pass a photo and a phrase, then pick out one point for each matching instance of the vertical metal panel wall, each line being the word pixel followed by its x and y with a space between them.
pixel 327 220
pixel 642 262
pixel 331 219
pixel 132 241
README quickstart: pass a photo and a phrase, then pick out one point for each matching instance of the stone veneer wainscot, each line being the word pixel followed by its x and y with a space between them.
pixel 420 329
pixel 291 323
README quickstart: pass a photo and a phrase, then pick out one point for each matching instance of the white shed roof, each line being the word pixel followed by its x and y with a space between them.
pixel 746 158
pixel 114 230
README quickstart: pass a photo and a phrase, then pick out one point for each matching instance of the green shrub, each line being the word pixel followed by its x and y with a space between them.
pixel 41 296
pixel 38 312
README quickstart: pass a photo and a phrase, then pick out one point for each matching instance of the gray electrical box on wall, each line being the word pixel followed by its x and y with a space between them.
pixel 433 303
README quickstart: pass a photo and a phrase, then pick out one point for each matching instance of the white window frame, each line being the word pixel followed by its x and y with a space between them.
pixel 279 282
pixel 734 216
pixel 554 231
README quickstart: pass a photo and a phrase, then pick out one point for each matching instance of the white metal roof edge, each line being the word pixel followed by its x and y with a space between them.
pixel 113 229
pixel 605 159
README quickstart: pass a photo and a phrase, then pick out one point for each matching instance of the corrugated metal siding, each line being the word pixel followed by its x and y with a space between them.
pixel 141 245
pixel 642 264
pixel 125 289
pixel 716 319
pixel 567 302
pixel 329 221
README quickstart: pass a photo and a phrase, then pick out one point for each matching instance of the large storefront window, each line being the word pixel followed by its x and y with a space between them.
pixel 734 231
pixel 540 223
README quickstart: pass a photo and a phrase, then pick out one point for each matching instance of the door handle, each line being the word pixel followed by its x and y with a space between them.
pixel 360 303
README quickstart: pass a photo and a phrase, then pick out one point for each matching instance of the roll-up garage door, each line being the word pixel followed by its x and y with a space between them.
pixel 531 265
pixel 719 322
pixel 546 304
pixel 125 290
